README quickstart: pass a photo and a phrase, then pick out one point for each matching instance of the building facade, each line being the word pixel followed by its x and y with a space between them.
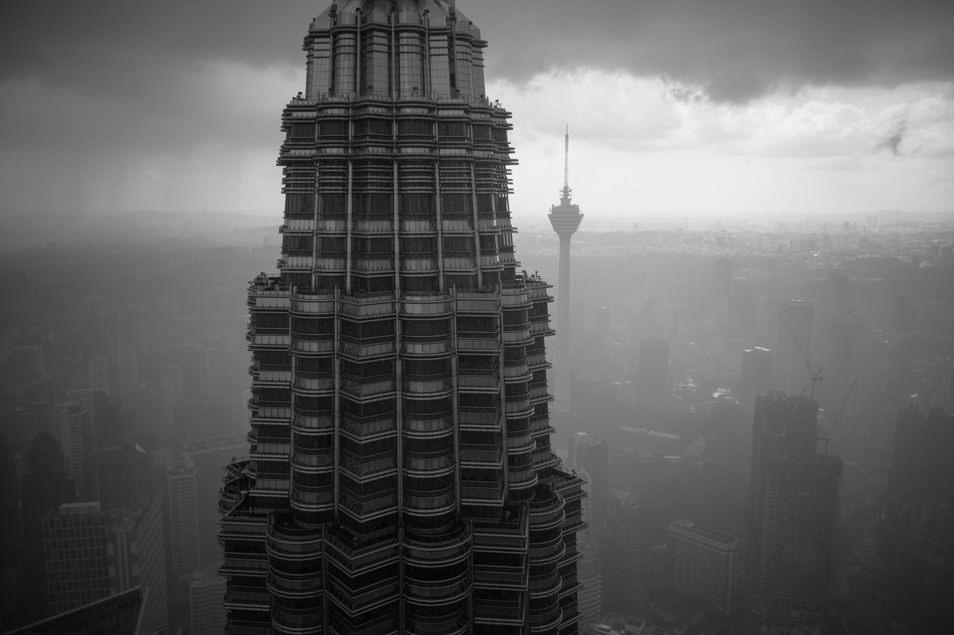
pixel 92 553
pixel 400 477
pixel 793 508
pixel 705 564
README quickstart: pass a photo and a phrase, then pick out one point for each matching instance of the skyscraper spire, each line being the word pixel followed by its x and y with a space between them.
pixel 565 196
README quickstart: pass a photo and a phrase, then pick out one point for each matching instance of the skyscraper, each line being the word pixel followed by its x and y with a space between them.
pixel 792 520
pixel 92 553
pixel 565 219
pixel 705 564
pixel 400 476
pixel 180 500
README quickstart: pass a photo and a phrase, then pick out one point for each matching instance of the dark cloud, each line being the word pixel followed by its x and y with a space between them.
pixel 735 48
pixel 92 82
pixel 892 143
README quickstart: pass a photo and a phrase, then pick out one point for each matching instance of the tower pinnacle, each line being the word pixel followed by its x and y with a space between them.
pixel 565 198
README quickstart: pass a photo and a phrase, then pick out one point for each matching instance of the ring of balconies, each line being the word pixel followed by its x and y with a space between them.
pixel 288 621
pixel 421 501
pixel 435 584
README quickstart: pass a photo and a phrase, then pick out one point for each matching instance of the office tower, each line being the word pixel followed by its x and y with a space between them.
pixel 756 375
pixel 591 568
pixel 118 613
pixel 181 508
pixel 705 564
pixel 106 425
pixel 626 575
pixel 565 219
pixel 76 552
pixel 918 526
pixel 73 432
pixel 792 519
pixel 206 602
pixel 399 410
pixel 652 374
pixel 92 553
pixel 45 486
pixel 793 349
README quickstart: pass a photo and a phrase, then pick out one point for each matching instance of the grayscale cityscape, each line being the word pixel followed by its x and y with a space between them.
pixel 553 318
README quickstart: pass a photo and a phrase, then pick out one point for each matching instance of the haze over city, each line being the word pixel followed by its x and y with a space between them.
pixel 440 317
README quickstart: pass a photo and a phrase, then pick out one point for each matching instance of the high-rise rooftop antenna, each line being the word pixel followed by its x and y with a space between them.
pixel 566 159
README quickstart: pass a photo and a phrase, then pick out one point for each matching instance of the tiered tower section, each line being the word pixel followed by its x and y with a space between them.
pixel 400 477
pixel 565 219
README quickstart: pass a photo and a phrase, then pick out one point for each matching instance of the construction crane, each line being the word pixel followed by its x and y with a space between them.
pixel 816 376
pixel 838 414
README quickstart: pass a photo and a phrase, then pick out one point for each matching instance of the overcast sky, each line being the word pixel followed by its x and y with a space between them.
pixel 682 107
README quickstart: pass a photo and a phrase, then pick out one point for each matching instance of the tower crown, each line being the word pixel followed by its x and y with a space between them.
pixel 378 48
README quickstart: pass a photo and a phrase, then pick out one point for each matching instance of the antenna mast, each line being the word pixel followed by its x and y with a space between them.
pixel 565 197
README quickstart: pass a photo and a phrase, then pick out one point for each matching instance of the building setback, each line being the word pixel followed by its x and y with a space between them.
pixel 400 476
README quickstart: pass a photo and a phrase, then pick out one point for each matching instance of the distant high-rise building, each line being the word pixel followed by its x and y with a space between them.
pixel 591 567
pixel 182 511
pixel 565 219
pixel 793 349
pixel 791 533
pixel 76 542
pixel 628 573
pixel 652 373
pixel 106 426
pixel 706 564
pixel 119 613
pixel 91 553
pixel 45 486
pixel 918 525
pixel 74 432
pixel 399 409
pixel 756 376
pixel 207 602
